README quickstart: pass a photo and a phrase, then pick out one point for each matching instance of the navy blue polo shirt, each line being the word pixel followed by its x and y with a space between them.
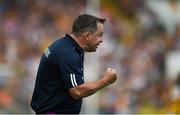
pixel 60 68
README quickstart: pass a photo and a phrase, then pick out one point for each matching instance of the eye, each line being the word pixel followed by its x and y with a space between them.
pixel 100 35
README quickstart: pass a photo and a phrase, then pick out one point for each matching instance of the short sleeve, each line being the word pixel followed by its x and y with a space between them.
pixel 70 67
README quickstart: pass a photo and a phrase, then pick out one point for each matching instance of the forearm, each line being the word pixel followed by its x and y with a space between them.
pixel 88 88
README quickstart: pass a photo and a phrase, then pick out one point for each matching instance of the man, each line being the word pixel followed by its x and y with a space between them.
pixel 60 86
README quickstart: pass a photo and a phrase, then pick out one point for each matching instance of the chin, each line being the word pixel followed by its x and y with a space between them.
pixel 91 50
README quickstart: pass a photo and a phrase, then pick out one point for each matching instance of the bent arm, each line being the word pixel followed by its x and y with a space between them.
pixel 86 89
pixel 90 88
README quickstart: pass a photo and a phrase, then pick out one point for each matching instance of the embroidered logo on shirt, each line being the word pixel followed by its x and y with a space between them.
pixel 47 52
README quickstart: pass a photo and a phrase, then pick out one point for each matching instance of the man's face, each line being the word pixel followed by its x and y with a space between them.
pixel 94 39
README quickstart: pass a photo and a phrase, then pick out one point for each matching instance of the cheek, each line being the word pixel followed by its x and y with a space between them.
pixel 93 42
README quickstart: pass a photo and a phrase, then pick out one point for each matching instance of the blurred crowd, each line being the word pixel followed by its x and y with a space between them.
pixel 144 34
pixel 139 37
pixel 27 27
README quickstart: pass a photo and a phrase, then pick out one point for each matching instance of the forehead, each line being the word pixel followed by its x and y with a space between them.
pixel 100 27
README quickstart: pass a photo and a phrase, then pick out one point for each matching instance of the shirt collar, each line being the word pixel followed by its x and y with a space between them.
pixel 74 43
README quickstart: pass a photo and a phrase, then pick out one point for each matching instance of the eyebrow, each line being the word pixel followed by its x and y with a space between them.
pixel 99 33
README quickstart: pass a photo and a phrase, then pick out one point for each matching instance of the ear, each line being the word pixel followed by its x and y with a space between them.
pixel 86 35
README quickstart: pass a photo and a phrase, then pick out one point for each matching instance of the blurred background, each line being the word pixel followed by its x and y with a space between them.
pixel 141 41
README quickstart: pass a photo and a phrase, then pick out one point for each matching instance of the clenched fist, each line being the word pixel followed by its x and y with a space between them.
pixel 110 76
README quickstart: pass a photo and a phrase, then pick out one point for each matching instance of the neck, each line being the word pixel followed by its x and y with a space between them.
pixel 79 40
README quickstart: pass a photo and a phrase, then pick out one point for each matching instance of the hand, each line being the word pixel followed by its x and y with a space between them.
pixel 110 76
